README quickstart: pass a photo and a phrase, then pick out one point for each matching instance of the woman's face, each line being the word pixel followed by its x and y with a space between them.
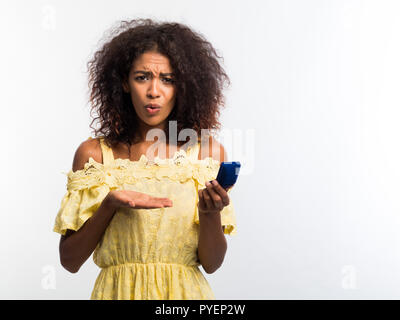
pixel 150 82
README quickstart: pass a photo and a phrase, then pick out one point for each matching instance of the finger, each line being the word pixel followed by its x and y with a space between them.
pixel 164 201
pixel 202 205
pixel 216 199
pixel 148 204
pixel 208 200
pixel 155 203
pixel 168 203
pixel 221 191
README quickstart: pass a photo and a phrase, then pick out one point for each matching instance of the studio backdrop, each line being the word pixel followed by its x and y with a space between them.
pixel 312 114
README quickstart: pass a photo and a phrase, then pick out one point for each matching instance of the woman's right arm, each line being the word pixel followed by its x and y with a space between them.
pixel 77 246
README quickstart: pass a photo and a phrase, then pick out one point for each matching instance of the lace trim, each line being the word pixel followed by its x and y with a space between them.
pixel 120 171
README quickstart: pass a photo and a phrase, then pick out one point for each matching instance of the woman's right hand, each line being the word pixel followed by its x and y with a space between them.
pixel 137 200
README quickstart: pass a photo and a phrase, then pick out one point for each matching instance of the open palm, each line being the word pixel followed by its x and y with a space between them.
pixel 137 200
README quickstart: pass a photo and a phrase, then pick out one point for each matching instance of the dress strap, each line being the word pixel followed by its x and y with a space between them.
pixel 107 152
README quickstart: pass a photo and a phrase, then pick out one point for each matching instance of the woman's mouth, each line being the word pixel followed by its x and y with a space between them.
pixel 152 109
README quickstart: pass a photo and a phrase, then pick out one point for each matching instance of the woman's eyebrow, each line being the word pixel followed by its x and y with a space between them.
pixel 148 73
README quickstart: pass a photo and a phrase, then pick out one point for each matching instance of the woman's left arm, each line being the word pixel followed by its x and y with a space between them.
pixel 212 243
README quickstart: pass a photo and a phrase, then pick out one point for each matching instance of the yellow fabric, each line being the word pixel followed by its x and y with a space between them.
pixel 145 253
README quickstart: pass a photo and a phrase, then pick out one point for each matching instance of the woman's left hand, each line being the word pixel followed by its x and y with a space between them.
pixel 213 198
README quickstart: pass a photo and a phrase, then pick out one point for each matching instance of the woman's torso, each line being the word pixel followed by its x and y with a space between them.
pixel 162 235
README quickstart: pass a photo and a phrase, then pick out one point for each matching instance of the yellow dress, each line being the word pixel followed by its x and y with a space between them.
pixel 145 253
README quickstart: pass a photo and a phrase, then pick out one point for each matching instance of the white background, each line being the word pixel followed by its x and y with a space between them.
pixel 317 201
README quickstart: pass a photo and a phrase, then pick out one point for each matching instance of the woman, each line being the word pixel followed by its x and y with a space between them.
pixel 150 221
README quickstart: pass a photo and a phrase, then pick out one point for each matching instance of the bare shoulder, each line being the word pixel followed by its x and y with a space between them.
pixel 213 149
pixel 88 148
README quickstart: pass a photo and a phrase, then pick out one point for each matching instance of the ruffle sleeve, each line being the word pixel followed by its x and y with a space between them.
pixel 85 192
pixel 228 218
pixel 207 172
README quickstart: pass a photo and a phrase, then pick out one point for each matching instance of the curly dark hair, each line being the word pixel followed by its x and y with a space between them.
pixel 199 78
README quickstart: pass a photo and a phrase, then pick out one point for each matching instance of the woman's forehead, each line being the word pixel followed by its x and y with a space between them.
pixel 151 61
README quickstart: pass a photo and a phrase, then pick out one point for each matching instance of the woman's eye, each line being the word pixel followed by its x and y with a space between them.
pixel 142 78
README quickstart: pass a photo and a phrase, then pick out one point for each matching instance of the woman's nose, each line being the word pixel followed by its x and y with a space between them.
pixel 153 89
